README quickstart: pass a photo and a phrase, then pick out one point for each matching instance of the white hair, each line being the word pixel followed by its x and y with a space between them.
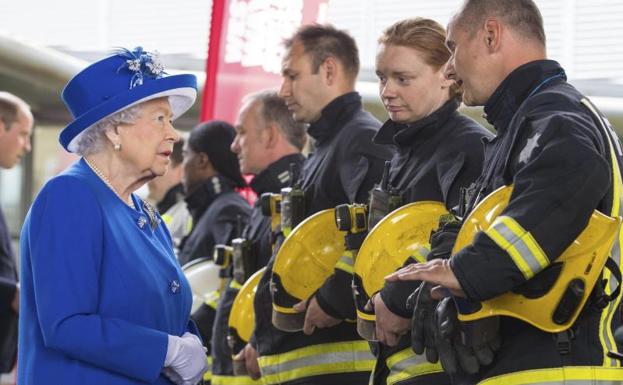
pixel 93 138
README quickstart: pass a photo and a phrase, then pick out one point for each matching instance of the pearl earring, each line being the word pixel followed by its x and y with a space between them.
pixel 117 146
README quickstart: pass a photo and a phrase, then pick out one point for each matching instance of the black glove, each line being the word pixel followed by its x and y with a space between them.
pixel 464 346
pixel 442 240
pixel 423 322
pixel 420 301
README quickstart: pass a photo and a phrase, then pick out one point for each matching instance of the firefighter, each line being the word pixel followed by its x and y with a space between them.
pixel 267 142
pixel 167 192
pixel 438 151
pixel 563 160
pixel 319 70
pixel 211 175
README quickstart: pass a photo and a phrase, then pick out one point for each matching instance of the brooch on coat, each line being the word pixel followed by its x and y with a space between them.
pixel 154 220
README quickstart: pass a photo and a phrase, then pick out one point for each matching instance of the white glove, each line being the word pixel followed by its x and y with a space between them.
pixel 186 357
pixel 172 376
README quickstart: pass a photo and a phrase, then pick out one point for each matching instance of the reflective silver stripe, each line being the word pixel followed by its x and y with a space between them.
pixel 234 380
pixel 317 359
pixel 563 382
pixel 568 382
pixel 284 176
pixel 406 364
pixel 331 358
pixel 421 254
pixel 345 263
pixel 567 375
pixel 347 260
pixel 617 199
pixel 519 244
pixel 615 254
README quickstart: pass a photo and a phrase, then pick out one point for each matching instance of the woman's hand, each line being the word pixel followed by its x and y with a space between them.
pixel 186 357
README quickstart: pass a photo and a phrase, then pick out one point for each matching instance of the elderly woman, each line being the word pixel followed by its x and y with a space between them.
pixel 103 299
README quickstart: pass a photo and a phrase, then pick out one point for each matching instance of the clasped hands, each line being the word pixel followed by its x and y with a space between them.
pixel 436 330
pixel 389 326
pixel 186 360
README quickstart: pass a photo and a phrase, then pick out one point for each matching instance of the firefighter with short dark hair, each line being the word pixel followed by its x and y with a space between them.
pixel 319 69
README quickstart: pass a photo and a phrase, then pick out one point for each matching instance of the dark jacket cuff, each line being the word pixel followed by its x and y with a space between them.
pixel 253 341
pixel 395 294
pixel 484 270
pixel 336 293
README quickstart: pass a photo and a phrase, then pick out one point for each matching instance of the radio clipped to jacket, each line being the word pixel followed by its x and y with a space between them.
pixel 243 259
pixel 292 203
pixel 383 199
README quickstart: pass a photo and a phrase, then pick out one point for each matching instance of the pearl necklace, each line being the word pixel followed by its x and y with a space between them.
pixel 106 181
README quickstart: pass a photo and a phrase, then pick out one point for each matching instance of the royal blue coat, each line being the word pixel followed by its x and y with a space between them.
pixel 100 288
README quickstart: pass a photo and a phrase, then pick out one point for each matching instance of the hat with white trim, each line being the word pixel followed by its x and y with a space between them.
pixel 120 81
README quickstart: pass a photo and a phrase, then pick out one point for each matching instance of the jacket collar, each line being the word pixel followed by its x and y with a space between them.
pixel 333 116
pixel 175 194
pixel 404 135
pixel 202 196
pixel 523 82
pixel 276 175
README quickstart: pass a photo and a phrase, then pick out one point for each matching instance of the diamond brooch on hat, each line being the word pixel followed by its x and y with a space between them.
pixel 142 64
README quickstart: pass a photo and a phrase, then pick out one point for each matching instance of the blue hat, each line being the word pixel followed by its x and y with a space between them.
pixel 118 82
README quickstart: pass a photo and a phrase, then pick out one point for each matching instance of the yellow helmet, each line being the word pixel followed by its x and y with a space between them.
pixel 203 277
pixel 305 260
pixel 402 233
pixel 242 319
pixel 580 267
